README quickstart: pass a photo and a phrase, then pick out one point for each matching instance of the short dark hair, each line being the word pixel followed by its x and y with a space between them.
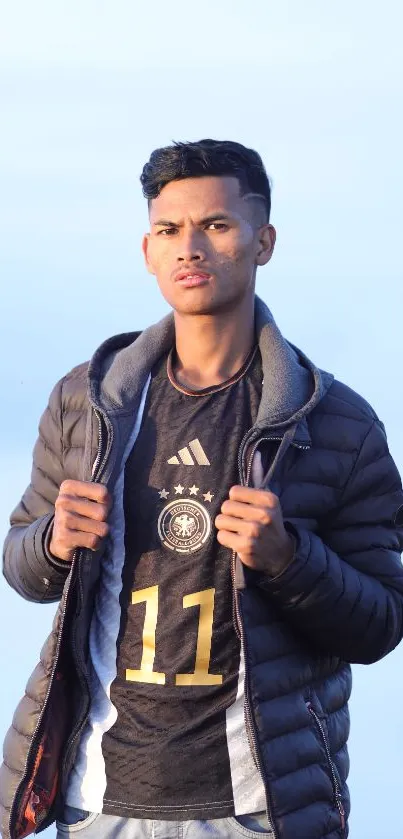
pixel 202 158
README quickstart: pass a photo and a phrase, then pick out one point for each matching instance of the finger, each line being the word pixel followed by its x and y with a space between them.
pixel 240 510
pixel 68 522
pixel 73 539
pixel 86 489
pixel 250 529
pixel 230 540
pixel 257 497
pixel 88 509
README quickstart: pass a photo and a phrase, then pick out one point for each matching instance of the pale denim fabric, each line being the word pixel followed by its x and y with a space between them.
pixel 98 826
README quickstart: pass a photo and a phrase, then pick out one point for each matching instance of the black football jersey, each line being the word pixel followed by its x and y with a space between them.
pixel 178 748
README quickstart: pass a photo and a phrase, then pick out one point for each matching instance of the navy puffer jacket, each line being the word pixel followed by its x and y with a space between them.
pixel 323 451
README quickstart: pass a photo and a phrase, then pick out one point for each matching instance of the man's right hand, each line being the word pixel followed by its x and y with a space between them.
pixel 81 512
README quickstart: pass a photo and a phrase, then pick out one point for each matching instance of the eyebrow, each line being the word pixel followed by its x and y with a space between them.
pixel 162 222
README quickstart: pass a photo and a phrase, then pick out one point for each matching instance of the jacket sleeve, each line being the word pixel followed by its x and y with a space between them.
pixel 27 564
pixel 344 587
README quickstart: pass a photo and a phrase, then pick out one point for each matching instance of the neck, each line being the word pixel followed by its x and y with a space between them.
pixel 212 348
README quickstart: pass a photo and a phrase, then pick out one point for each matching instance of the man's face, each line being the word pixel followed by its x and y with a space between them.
pixel 205 243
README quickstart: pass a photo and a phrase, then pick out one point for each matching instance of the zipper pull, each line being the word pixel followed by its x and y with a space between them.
pixel 341 810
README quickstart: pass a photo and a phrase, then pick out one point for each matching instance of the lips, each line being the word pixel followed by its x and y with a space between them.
pixel 190 279
pixel 185 275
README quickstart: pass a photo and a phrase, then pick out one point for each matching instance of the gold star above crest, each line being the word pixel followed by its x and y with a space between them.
pixel 193 490
pixel 179 489
pixel 163 494
pixel 208 496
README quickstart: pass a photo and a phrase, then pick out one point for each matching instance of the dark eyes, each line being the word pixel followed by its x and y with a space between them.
pixel 215 226
pixel 167 231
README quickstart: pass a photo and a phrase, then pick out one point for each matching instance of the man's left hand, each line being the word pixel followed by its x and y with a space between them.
pixel 251 524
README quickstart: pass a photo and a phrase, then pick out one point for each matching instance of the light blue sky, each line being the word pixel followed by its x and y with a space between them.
pixel 87 89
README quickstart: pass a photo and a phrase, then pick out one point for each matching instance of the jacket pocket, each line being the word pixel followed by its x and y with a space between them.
pixel 332 769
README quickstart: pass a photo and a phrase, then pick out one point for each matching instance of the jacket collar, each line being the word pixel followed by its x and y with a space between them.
pixel 292 385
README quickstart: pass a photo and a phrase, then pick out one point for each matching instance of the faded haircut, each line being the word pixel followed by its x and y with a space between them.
pixel 205 158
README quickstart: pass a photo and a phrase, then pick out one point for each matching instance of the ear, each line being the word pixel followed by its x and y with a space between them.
pixel 146 253
pixel 266 242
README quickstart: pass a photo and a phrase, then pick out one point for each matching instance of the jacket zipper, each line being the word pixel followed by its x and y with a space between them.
pixel 249 719
pixel 84 684
pixel 99 465
pixel 96 473
pixel 99 450
pixel 97 469
pixel 336 787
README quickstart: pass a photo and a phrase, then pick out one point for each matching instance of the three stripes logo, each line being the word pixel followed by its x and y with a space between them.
pixel 189 454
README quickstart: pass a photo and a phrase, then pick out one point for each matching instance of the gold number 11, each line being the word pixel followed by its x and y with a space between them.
pixel 201 675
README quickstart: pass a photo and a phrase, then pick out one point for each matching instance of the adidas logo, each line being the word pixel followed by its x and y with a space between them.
pixel 196 449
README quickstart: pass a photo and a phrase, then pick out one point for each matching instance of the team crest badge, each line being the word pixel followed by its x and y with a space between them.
pixel 184 525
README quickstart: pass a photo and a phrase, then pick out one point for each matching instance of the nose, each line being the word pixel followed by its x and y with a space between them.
pixel 190 247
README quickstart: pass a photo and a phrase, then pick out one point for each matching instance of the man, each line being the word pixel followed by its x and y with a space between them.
pixel 221 522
